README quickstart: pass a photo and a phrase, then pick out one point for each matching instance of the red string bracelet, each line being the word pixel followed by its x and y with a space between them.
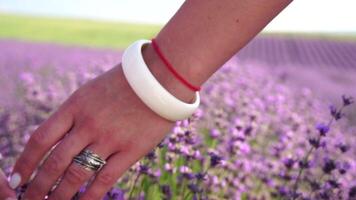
pixel 170 67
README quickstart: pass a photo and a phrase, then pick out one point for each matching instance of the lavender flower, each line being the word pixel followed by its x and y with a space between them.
pixel 260 138
pixel 329 165
pixel 347 100
pixel 194 188
pixel 343 147
pixel 289 162
pixel 166 190
pixel 114 194
pixel 352 192
pixel 322 128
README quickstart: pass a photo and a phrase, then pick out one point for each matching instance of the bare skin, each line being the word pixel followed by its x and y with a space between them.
pixel 106 116
pixel 5 190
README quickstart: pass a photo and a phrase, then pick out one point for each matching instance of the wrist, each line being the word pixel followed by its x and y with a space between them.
pixel 164 76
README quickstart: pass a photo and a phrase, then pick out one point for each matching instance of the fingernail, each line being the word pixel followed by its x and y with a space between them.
pixel 10 198
pixel 15 180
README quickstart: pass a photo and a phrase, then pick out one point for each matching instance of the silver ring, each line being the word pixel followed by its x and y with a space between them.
pixel 89 160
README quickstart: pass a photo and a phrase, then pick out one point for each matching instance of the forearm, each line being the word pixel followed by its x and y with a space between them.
pixel 203 35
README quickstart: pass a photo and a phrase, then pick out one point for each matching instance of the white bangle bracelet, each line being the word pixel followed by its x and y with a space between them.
pixel 149 90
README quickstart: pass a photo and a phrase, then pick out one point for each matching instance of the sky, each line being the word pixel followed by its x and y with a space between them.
pixel 299 16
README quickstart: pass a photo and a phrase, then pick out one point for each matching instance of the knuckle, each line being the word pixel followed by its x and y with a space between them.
pixel 89 128
pixel 38 138
pixel 84 131
pixel 106 178
pixel 92 123
pixel 76 96
pixel 75 175
pixel 54 164
pixel 85 128
pixel 73 101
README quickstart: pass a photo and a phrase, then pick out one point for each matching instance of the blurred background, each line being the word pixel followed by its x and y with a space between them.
pixel 310 42
pixel 307 54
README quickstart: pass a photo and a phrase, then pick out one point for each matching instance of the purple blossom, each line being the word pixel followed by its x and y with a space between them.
pixel 347 100
pixel 259 134
pixel 322 128
pixel 200 176
pixel 315 142
pixel 289 162
pixel 186 172
pixel 352 192
pixel 166 190
pixel 329 165
pixel 335 113
pixel 151 155
pixel 143 169
pixel 343 147
pixel 114 194
pixel 214 133
pixel 343 167
pixel 215 159
pixel 194 188
pixel 304 164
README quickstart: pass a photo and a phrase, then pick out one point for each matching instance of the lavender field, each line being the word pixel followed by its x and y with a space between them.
pixel 273 123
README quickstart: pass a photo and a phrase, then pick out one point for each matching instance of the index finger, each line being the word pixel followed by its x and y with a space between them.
pixel 40 142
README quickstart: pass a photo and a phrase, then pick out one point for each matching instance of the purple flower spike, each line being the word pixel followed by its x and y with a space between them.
pixel 151 155
pixel 215 133
pixel 215 159
pixel 343 167
pixel 329 165
pixel 304 164
pixel 166 190
pixel 347 100
pixel 343 147
pixel 143 169
pixel 194 188
pixel 288 162
pixel 186 172
pixel 114 194
pixel 314 142
pixel 200 176
pixel 322 128
pixel 352 192
pixel 336 114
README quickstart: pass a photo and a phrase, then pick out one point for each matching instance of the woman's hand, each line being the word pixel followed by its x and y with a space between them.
pixel 105 116
pixel 6 192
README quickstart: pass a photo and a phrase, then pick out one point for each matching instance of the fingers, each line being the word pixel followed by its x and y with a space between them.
pixel 5 191
pixel 116 165
pixel 47 135
pixel 75 176
pixel 56 163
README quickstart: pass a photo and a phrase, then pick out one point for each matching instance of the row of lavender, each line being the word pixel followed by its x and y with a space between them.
pixel 320 53
pixel 273 50
pixel 46 59
pixel 244 142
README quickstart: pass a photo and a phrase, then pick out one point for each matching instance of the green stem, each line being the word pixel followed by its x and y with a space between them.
pixel 186 195
pixel 134 185
pixel 306 158
pixel 183 189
